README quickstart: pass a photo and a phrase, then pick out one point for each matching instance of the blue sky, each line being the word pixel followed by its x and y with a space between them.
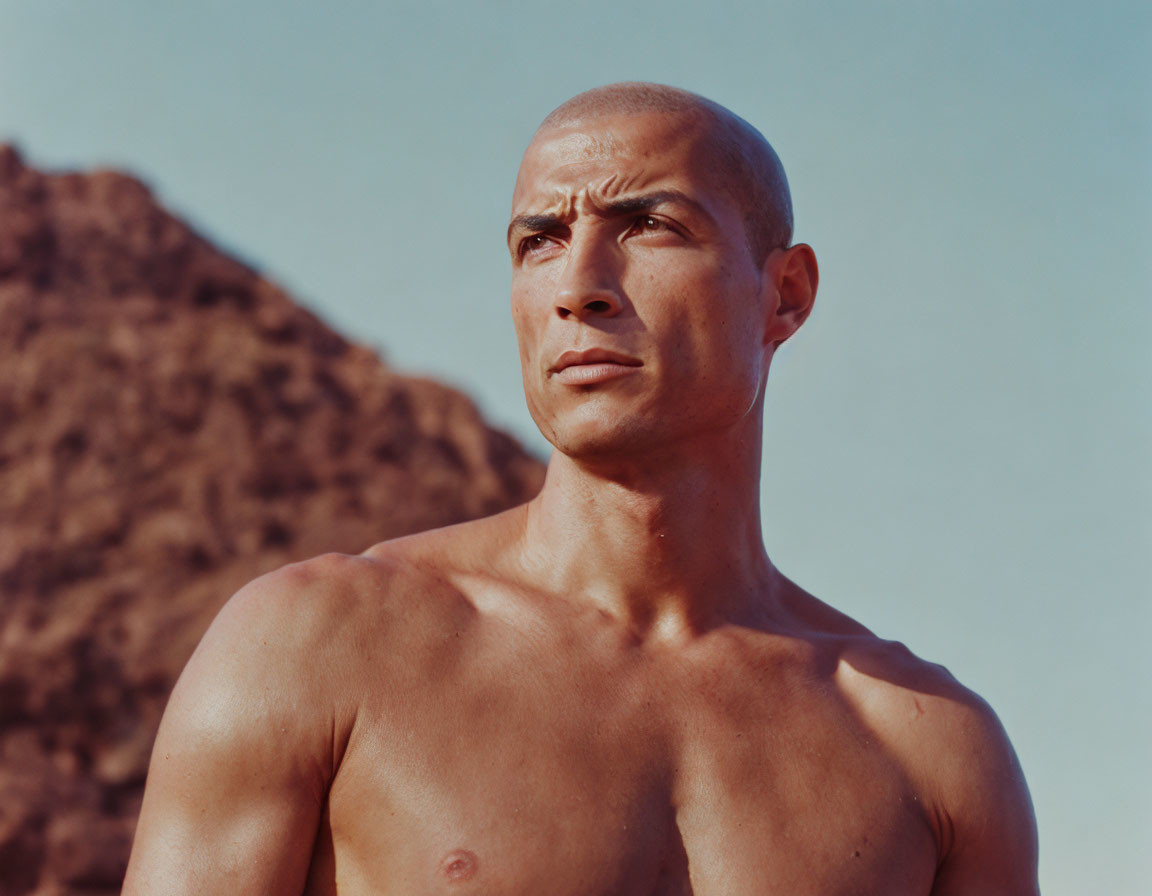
pixel 958 441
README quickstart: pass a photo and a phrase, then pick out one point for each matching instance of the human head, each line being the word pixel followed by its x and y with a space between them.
pixel 651 224
pixel 746 164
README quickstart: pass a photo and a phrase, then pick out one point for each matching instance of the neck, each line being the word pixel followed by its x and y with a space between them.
pixel 670 545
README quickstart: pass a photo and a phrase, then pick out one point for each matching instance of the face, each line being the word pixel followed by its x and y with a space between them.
pixel 639 309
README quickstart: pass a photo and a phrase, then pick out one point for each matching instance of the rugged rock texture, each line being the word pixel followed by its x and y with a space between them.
pixel 171 425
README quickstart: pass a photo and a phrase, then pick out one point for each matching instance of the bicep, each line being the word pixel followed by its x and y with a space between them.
pixel 234 790
pixel 212 823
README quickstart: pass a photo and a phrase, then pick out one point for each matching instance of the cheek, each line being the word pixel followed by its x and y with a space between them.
pixel 529 326
pixel 523 324
pixel 712 317
pixel 721 346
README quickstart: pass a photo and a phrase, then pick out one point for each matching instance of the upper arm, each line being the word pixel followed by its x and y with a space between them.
pixel 962 766
pixel 985 820
pixel 243 756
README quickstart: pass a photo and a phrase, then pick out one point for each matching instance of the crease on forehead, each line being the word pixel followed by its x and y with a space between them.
pixel 567 165
pixel 565 197
pixel 733 155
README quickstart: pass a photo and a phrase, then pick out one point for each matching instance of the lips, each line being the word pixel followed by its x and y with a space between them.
pixel 593 365
pixel 591 356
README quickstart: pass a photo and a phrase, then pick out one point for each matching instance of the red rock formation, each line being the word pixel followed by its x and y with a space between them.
pixel 171 425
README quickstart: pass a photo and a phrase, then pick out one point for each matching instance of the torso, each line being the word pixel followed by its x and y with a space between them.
pixel 505 743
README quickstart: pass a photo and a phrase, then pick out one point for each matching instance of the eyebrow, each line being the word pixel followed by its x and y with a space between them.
pixel 618 208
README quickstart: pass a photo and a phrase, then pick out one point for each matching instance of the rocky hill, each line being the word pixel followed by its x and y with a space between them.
pixel 171 425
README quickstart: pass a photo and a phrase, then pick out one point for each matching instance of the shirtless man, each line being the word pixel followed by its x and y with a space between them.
pixel 610 690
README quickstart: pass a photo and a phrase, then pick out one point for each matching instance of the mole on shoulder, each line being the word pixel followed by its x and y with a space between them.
pixel 460 864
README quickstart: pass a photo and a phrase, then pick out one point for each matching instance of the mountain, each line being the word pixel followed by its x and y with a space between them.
pixel 172 425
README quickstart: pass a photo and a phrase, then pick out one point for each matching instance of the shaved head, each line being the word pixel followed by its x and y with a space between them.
pixel 746 165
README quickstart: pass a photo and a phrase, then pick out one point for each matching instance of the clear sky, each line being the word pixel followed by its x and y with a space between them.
pixel 958 442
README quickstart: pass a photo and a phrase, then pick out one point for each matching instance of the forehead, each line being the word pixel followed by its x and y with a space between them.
pixel 616 155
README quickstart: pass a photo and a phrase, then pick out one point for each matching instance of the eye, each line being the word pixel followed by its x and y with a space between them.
pixel 655 226
pixel 534 243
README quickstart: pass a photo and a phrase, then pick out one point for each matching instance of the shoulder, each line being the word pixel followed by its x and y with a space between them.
pixel 250 740
pixel 317 602
pixel 312 621
pixel 271 658
pixel 297 605
pixel 266 709
pixel 301 628
pixel 957 757
pixel 303 610
pixel 392 593
pixel 277 676
pixel 913 704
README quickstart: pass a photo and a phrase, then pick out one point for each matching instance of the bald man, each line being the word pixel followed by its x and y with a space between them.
pixel 611 689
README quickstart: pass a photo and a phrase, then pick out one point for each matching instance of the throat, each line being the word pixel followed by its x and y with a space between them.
pixel 667 560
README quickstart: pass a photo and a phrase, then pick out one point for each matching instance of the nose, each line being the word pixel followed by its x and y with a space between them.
pixel 589 286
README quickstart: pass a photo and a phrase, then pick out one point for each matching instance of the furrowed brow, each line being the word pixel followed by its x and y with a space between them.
pixel 629 205
pixel 634 205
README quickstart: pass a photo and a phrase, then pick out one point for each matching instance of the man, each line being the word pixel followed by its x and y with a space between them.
pixel 609 690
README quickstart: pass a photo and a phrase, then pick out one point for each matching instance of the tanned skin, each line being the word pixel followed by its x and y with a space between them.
pixel 611 689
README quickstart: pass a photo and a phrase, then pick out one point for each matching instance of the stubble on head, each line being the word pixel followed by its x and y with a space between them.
pixel 746 165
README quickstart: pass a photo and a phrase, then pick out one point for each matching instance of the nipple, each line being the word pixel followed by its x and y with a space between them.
pixel 460 864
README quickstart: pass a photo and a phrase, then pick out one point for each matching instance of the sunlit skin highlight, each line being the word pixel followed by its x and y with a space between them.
pixel 611 689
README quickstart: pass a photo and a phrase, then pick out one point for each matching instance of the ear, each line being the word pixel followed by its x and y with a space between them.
pixel 792 275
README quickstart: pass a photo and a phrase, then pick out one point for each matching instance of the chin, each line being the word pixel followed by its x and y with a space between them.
pixel 596 448
pixel 604 438
pixel 587 434
pixel 611 426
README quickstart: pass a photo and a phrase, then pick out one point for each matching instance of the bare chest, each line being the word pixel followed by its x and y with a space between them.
pixel 589 786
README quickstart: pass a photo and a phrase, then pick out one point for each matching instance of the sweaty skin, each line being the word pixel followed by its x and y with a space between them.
pixel 611 689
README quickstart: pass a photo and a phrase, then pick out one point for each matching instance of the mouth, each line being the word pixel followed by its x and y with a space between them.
pixel 594 365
